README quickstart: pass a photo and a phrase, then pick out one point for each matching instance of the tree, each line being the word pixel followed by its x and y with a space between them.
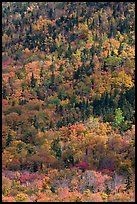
pixel 56 147
pixel 50 13
pixel 4 92
pixel 36 124
pixel 9 139
pixel 119 118
pixel 33 81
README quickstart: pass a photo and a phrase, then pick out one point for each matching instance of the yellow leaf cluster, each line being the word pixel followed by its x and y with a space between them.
pixel 123 80
pixel 40 23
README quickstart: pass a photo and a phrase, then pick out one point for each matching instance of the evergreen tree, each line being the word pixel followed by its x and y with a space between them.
pixel 33 81
pixel 36 125
pixel 9 139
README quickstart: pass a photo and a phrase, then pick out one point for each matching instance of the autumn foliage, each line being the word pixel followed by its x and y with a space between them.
pixel 68 101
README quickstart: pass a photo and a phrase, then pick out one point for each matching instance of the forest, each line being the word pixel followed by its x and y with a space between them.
pixel 68 101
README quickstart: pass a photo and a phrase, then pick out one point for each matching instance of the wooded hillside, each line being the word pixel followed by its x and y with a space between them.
pixel 68 101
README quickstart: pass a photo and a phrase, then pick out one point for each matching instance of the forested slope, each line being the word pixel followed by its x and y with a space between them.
pixel 68 101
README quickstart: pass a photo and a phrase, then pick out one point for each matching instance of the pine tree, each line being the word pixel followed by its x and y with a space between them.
pixel 36 125
pixel 33 81
pixel 8 140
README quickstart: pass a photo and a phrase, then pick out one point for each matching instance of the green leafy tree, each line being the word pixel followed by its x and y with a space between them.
pixel 119 118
